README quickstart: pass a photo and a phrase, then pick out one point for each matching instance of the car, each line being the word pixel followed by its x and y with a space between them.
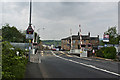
pixel 53 49
pixel 57 49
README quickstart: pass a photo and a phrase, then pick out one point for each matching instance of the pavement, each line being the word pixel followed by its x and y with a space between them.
pixel 58 64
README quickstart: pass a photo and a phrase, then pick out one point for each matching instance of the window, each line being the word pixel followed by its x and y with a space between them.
pixel 83 45
pixel 89 45
pixel 84 41
pixel 73 41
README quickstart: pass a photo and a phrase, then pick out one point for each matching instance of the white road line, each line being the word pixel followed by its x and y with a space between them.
pixel 39 60
pixel 97 60
pixel 76 56
pixel 61 52
pixel 87 65
pixel 69 55
pixel 83 58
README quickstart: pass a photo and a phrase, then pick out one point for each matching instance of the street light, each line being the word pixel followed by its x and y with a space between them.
pixel 40 29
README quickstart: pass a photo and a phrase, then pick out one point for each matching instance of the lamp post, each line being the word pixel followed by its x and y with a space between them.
pixel 40 29
pixel 29 31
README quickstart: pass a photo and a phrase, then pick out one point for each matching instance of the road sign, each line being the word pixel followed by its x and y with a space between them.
pixel 29 33
pixel 106 38
pixel 29 36
pixel 29 30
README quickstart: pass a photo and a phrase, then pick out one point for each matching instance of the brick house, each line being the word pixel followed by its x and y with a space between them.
pixel 89 43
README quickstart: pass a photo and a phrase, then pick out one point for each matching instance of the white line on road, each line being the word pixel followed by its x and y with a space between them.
pixel 76 56
pixel 83 58
pixel 86 65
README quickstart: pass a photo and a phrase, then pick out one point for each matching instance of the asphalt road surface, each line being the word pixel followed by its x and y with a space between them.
pixel 58 64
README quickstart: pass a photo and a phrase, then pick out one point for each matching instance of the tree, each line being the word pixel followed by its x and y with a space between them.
pixel 113 36
pixel 107 52
pixel 13 65
pixel 12 34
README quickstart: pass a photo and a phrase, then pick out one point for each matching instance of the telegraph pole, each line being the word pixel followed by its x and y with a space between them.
pixel 71 37
pixel 80 40
pixel 30 12
pixel 29 33
pixel 80 36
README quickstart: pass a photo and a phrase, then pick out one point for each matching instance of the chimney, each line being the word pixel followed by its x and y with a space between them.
pixel 98 36
pixel 78 33
pixel 88 33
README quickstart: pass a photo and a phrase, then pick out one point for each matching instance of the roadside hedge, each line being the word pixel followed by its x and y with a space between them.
pixel 13 66
pixel 107 52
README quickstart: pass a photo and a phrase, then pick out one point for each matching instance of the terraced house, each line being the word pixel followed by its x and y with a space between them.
pixel 89 43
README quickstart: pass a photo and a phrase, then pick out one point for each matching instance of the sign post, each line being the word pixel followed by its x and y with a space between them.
pixel 29 32
pixel 30 36
pixel 106 39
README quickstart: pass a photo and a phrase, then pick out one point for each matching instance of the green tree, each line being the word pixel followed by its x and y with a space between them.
pixel 13 66
pixel 113 36
pixel 11 34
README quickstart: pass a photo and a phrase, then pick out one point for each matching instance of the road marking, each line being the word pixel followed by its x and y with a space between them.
pixel 61 52
pixel 94 67
pixel 66 54
pixel 69 55
pixel 97 60
pixel 83 58
pixel 76 56
pixel 41 53
pixel 39 60
pixel 87 59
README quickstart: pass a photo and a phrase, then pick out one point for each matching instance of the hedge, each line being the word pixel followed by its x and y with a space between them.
pixel 13 66
pixel 107 52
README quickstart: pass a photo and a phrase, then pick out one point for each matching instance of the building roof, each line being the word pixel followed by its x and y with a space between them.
pixel 94 38
pixel 84 37
pixel 76 37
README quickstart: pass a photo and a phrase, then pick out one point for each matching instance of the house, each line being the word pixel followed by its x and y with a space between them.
pixel 89 43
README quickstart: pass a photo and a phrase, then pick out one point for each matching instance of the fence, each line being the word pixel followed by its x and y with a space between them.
pixel 21 45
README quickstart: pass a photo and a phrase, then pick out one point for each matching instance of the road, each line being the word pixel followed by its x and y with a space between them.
pixel 58 64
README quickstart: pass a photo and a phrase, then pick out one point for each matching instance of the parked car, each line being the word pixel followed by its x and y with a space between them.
pixel 53 49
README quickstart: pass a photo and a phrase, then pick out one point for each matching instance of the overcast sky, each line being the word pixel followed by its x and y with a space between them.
pixel 58 17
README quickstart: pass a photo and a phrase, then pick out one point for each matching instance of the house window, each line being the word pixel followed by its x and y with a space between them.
pixel 78 46
pixel 84 41
pixel 89 45
pixel 73 46
pixel 73 41
pixel 83 45
pixel 78 41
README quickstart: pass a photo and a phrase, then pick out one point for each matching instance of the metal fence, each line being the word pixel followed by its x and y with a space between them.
pixel 21 45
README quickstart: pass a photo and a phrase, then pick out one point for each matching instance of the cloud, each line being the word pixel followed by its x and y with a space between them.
pixel 59 17
pixel 60 0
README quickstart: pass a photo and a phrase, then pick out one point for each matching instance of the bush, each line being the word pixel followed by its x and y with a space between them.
pixel 107 52
pixel 99 53
pixel 13 66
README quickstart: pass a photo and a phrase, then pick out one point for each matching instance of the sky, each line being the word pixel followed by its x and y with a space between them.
pixel 53 20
